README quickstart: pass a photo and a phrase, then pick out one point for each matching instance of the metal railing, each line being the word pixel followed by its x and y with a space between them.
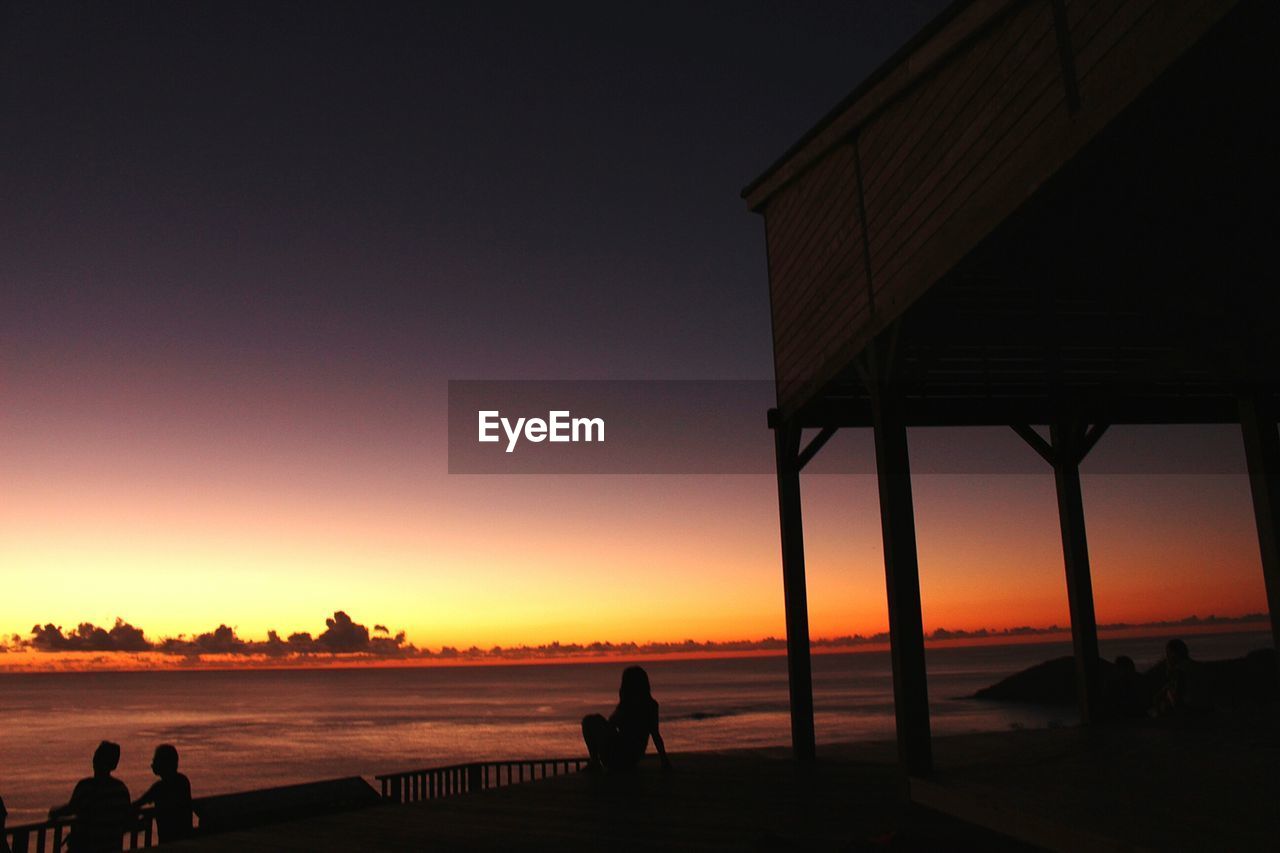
pixel 434 783
pixel 411 786
pixel 49 836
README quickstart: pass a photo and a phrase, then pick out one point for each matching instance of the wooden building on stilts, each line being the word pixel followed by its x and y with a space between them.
pixel 1054 216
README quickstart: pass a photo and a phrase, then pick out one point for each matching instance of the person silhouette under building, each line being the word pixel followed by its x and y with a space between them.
pixel 171 795
pixel 1184 689
pixel 99 806
pixel 619 742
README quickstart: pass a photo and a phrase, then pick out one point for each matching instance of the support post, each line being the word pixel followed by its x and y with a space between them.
pixel 1262 454
pixel 799 671
pixel 1068 442
pixel 902 581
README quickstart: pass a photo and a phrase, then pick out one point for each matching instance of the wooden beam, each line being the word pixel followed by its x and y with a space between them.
pixel 1037 442
pixel 1262 454
pixel 1090 439
pixel 1066 439
pixel 902 582
pixel 811 450
pixel 855 411
pixel 786 440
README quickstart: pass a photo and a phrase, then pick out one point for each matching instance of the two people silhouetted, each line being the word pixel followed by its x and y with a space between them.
pixel 101 812
pixel 171 795
pixel 619 742
pixel 99 805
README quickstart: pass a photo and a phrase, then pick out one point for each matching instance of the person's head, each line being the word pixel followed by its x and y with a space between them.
pixel 106 757
pixel 1126 667
pixel 635 684
pixel 1176 651
pixel 165 760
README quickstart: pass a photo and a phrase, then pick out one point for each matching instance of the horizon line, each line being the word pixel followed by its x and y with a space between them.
pixel 250 654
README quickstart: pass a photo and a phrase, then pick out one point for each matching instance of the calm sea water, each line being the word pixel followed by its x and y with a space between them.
pixel 240 730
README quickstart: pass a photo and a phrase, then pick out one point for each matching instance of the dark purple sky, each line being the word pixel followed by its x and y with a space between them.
pixel 417 190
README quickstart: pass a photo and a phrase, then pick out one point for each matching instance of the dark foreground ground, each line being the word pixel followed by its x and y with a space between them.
pixel 1171 787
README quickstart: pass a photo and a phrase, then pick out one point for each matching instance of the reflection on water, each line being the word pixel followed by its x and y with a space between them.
pixel 238 730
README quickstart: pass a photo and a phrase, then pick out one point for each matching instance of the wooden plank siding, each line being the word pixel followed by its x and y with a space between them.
pixel 936 155
pixel 818 288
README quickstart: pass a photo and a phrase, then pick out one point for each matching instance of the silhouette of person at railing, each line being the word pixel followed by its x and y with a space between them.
pixel 171 795
pixel 99 806
pixel 619 742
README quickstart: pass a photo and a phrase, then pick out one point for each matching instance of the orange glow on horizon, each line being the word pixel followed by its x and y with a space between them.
pixel 178 530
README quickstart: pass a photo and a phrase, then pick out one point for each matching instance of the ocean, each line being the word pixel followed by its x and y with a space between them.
pixel 237 730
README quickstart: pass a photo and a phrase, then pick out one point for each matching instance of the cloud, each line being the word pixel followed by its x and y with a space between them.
pixel 342 636
pixel 87 637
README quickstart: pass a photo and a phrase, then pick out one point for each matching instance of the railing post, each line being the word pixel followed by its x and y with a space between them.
pixel 409 787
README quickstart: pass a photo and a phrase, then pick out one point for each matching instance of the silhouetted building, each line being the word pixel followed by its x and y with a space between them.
pixel 1035 213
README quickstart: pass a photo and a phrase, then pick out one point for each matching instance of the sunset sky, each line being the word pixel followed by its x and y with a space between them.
pixel 243 251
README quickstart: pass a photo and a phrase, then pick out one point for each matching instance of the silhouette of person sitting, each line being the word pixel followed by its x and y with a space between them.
pixel 619 742
pixel 171 795
pixel 1184 688
pixel 1124 690
pixel 99 806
